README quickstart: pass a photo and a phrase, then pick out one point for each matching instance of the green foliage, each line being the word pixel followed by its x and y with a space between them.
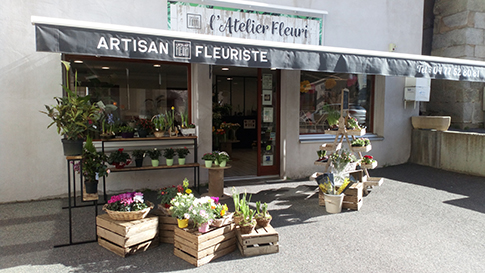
pixel 160 122
pixel 360 142
pixel 138 154
pixel 332 115
pixel 154 154
pixel 118 156
pixel 126 129
pixel 93 163
pixel 169 153
pixel 182 152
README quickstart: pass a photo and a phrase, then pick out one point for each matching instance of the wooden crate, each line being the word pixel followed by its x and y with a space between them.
pixel 166 226
pixel 262 240
pixel 127 237
pixel 352 200
pixel 199 249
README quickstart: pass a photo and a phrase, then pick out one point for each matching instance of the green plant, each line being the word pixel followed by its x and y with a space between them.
pixel 170 115
pixel 262 210
pixel 93 163
pixel 168 193
pixel 130 201
pixel 221 156
pixel 208 156
pixel 248 216
pixel 126 129
pixel 160 122
pixel 360 142
pixel 138 154
pixel 169 153
pixel 73 115
pixel 184 118
pixel 118 156
pixel 182 152
pixel 180 205
pixel 202 210
pixel 144 124
pixel 368 159
pixel 154 154
pixel 332 115
pixel 341 158
pixel 352 123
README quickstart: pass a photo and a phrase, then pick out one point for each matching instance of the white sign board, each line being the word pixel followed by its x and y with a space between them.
pixel 247 24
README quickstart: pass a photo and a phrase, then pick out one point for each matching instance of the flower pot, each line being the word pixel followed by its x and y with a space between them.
pixel 188 131
pixel 159 134
pixel 181 161
pixel 246 229
pixel 208 163
pixel 237 219
pixel 72 147
pixel 127 134
pixel 91 186
pixel 182 223
pixel 139 162
pixel 440 123
pixel 155 162
pixel 142 133
pixel 263 222
pixel 204 227
pixel 333 203
pixel 223 163
pixel 225 220
pixel 169 161
pixel 216 162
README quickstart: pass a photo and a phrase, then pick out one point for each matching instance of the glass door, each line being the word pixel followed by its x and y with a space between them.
pixel 268 121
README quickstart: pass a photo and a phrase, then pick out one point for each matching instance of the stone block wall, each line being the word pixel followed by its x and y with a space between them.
pixel 459 32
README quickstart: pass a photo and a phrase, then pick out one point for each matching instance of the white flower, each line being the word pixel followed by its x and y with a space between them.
pixel 176 204
pixel 186 216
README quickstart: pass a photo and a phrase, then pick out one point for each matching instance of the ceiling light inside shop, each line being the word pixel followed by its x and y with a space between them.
pixel 105 67
pixel 78 61
pixel 225 68
pixel 272 68
pixel 229 79
pixel 156 65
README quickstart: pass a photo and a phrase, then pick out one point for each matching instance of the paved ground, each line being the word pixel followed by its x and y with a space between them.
pixel 420 220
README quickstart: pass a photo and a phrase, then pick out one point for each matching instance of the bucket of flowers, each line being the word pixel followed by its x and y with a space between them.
pixel 128 206
pixel 368 162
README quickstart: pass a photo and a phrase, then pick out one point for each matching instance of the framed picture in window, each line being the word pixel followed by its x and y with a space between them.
pixel 267 97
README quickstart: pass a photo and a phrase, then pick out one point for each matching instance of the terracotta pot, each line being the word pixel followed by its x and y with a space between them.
pixel 246 229
pixel 263 222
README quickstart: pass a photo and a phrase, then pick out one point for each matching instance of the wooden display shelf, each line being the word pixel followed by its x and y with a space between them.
pixel 330 147
pixel 148 168
pixel 363 149
pixel 373 165
pixel 116 139
pixel 262 240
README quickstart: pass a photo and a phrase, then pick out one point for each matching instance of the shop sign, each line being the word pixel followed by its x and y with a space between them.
pixel 243 23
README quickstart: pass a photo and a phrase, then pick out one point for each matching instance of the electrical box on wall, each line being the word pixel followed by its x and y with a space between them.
pixel 417 89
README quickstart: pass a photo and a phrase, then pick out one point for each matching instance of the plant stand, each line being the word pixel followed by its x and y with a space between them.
pixel 216 180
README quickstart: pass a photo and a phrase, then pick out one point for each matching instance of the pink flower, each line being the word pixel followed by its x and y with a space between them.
pixel 216 199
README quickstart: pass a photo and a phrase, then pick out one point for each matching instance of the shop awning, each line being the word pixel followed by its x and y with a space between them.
pixel 96 39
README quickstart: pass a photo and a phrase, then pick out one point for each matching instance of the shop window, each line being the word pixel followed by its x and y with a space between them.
pixel 320 92
pixel 139 89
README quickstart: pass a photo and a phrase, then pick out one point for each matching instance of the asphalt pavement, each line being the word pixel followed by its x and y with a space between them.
pixel 420 219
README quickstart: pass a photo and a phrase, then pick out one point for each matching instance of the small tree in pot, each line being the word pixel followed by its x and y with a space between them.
pixel 93 166
pixel 154 155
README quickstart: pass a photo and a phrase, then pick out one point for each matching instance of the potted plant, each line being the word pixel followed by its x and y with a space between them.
pixel 322 156
pixel 169 153
pixel 180 205
pixel 159 124
pixel 143 127
pixel 208 158
pixel 361 145
pixel 238 203
pixel 368 162
pixel 182 153
pixel 74 117
pixel 139 155
pixel 262 216
pixel 119 159
pixel 128 206
pixel 126 131
pixel 154 155
pixel 202 214
pixel 247 224
pixel 333 116
pixel 222 216
pixel 93 166
pixel 187 129
pixel 107 120
pixel 168 193
pixel 221 158
pixel 170 117
pixel 341 159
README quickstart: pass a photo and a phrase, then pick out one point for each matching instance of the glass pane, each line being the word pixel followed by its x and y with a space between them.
pixel 320 91
pixel 268 118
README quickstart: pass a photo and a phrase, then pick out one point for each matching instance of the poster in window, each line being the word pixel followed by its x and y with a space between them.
pixel 249 124
pixel 267 160
pixel 267 81
pixel 268 114
pixel 267 97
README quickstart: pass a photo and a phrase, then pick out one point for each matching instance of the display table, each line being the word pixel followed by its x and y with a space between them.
pixel 216 180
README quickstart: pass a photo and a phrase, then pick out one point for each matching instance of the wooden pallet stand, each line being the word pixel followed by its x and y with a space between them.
pixel 199 249
pixel 352 200
pixel 262 240
pixel 166 226
pixel 127 237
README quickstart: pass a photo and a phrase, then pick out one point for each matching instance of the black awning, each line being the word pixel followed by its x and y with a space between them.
pixel 87 38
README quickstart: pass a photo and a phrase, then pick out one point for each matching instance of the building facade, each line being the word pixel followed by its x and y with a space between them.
pixel 31 157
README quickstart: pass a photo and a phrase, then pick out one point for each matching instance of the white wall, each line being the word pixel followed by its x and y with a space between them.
pixel 31 161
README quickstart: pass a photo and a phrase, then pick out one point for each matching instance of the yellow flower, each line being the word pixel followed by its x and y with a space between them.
pixel 223 212
pixel 173 107
pixel 188 191
pixel 213 207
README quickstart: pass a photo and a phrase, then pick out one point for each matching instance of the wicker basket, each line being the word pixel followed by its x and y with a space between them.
pixel 129 215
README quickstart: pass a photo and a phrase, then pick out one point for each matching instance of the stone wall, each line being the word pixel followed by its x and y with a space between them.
pixel 459 32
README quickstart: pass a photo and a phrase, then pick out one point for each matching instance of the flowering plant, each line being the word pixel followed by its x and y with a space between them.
pixel 220 210
pixel 208 156
pixel 130 201
pixel 168 193
pixel 221 156
pixel 352 123
pixel 341 159
pixel 169 153
pixel 119 157
pixel 144 124
pixel 182 152
pixel 360 142
pixel 138 154
pixel 235 126
pixel 202 210
pixel 181 204
pixel 170 118
pixel 368 159
pixel 154 154
pixel 93 163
